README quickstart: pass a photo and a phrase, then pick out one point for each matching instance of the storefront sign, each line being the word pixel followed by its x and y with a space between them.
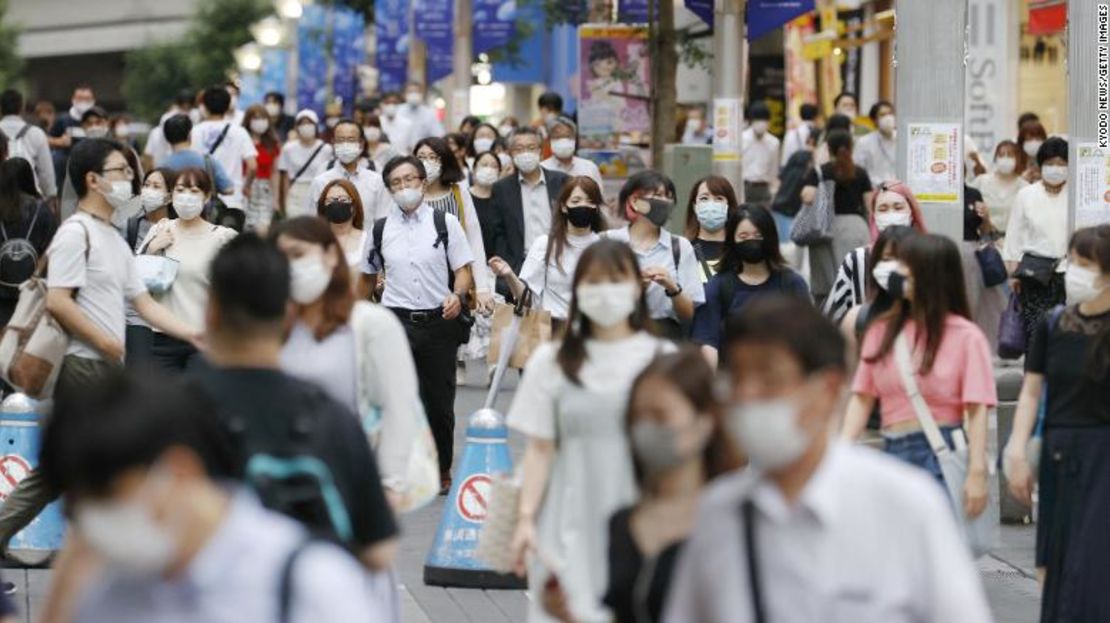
pixel 1092 185
pixel 935 167
pixel 991 97
pixel 767 15
pixel 727 117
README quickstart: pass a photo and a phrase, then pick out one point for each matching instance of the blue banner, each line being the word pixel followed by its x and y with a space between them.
pixel 434 25
pixel 702 8
pixel 392 52
pixel 342 28
pixel 494 24
pixel 767 15
pixel 633 12
pixel 253 87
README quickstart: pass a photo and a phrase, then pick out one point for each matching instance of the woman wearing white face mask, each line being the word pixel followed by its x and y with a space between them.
pixel 155 196
pixel 378 145
pixel 576 392
pixel 484 174
pixel 1064 399
pixel 300 162
pixel 712 201
pixel 264 191
pixel 355 350
pixel 893 204
pixel 481 141
pixel 563 139
pixel 1037 237
pixel 192 242
pixel 1000 187
pixel 1031 135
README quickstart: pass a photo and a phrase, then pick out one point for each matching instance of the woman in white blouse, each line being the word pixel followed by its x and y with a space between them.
pixel 550 262
pixel 1000 187
pixel 1037 236
pixel 577 467
pixel 340 205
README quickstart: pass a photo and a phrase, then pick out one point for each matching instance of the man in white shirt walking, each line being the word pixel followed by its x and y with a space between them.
pixel 814 529
pixel 796 138
pixel 761 156
pixel 27 141
pixel 395 125
pixel 420 116
pixel 563 138
pixel 876 151
pixel 227 142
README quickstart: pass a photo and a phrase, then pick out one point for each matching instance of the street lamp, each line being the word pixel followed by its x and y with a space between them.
pixel 290 9
pixel 249 58
pixel 268 31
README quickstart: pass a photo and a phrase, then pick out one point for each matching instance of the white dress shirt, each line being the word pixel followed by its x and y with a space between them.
pixel 1038 224
pixel 399 131
pixel 687 274
pixel 877 154
pixel 794 140
pixel 869 539
pixel 416 271
pixel 537 208
pixel 578 166
pixel 761 157
pixel 999 195
pixel 422 121
pixel 35 149
pixel 377 202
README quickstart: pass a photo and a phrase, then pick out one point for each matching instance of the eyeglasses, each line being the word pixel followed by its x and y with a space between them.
pixel 127 171
pixel 429 158
pixel 409 181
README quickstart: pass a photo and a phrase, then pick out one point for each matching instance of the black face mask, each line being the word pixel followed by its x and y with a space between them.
pixel 751 251
pixel 338 211
pixel 896 286
pixel 582 216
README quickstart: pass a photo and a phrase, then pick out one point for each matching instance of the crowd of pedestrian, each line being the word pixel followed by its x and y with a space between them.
pixel 269 318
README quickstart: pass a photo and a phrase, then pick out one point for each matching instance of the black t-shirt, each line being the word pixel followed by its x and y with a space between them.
pixel 848 196
pixel 485 208
pixel 708 250
pixel 972 221
pixel 267 401
pixel 626 564
pixel 1061 355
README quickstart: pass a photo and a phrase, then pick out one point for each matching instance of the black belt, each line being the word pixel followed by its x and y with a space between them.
pixel 418 316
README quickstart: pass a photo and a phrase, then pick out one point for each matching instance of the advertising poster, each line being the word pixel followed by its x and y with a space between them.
pixel 433 24
pixel 1092 185
pixel 392 50
pixel 801 74
pixel 614 79
pixel 935 169
pixel 727 118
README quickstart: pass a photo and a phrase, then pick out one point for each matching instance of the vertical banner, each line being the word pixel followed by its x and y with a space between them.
pixel 615 80
pixel 801 74
pixel 312 59
pixel 331 46
pixel 1092 185
pixel 392 51
pixel 852 67
pixel 990 93
pixel 348 52
pixel 727 118
pixel 702 8
pixel 767 84
pixel 634 11
pixel 767 15
pixel 253 87
pixel 433 22
pixel 494 24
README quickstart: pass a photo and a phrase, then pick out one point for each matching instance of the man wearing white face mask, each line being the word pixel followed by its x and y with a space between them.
pixel 562 135
pixel 420 117
pixel 171 539
pixel 352 165
pixel 876 150
pixel 301 160
pixel 761 156
pixel 396 126
pixel 814 529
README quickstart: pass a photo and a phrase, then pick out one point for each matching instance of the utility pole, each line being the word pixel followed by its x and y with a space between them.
pixel 464 55
pixel 930 40
pixel 1088 113
pixel 727 112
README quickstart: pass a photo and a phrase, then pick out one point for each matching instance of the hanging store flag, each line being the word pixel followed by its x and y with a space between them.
pixel 494 24
pixel 702 8
pixel 633 12
pixel 344 28
pixel 1047 17
pixel 767 15
pixel 434 25
pixel 392 52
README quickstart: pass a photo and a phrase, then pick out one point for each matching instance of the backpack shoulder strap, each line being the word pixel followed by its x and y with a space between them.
pixel 676 250
pixel 34 219
pixel 440 219
pixel 219 140
pixel 727 292
pixel 377 232
pixel 133 232
pixel 23 131
pixel 285 586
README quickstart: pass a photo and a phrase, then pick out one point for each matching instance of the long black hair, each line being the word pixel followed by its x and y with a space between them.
pixel 765 223
pixel 889 238
pixel 617 259
pixel 17 185
pixel 1093 243
pixel 557 240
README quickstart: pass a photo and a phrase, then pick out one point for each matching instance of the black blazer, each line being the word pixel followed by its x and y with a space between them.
pixel 508 219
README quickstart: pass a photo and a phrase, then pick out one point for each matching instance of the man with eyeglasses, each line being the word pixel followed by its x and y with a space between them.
pixel 350 164
pixel 91 278
pixel 426 257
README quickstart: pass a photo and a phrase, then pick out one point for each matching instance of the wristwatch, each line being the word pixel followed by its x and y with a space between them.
pixel 673 293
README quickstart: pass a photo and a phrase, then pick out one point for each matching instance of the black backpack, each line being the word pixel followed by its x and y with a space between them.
pixel 18 257
pixel 788 199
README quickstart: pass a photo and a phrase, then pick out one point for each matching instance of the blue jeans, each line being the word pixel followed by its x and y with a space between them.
pixel 914 449
pixel 783 223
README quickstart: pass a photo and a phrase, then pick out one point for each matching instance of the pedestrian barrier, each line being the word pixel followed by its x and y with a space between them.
pixel 19 437
pixel 452 560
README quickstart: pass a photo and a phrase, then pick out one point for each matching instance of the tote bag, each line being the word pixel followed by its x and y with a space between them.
pixel 813 223
pixel 535 329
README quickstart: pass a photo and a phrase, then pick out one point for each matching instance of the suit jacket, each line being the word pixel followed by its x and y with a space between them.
pixel 508 219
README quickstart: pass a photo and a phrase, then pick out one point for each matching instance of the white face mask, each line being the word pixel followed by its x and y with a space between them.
pixel 887 123
pixel 126 536
pixel 373 134
pixel 97 131
pixel 258 126
pixel 485 176
pixel 347 152
pixel 563 147
pixel 308 278
pixel 482 145
pixel 432 168
pixel 607 304
pixel 1031 147
pixel 1054 174
pixel 389 110
pixel 882 272
pixel 891 219
pixel 1081 284
pixel 505 130
pixel 847 111
pixel 306 131
pixel 413 98
pixel 273 109
pixel 760 127
pixel 767 431
pixel 527 162
pixel 506 160
pixel 1005 165
pixel 188 205
pixel 119 195
pixel 153 199
pixel 408 198
pixel 83 107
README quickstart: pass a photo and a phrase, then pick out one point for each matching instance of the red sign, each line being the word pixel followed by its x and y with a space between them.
pixel 1047 17
pixel 473 498
pixel 13 468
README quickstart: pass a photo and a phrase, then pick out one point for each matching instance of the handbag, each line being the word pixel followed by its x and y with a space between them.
pixel 980 533
pixel 813 223
pixel 158 272
pixel 1036 268
pixel 1011 330
pixel 535 329
pixel 991 264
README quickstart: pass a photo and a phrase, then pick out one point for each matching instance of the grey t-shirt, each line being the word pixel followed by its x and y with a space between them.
pixel 104 284
pixel 328 363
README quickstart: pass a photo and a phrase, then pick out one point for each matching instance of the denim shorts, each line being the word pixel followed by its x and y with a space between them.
pixel 914 449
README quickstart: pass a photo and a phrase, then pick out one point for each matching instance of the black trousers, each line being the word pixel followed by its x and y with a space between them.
pixel 139 344
pixel 171 354
pixel 434 342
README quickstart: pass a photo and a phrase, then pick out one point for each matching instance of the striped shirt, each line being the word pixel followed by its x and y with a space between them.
pixel 850 287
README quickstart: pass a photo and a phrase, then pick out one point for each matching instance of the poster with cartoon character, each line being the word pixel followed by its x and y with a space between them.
pixel 615 79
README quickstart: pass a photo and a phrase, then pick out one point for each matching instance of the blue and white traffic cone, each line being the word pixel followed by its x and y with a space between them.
pixel 20 432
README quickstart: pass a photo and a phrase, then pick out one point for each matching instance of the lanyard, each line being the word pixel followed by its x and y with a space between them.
pixel 747 510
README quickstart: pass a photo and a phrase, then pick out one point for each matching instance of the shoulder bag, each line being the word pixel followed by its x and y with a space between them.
pixel 157 271
pixel 1011 330
pixel 813 223
pixel 981 533
pixel 990 263
pixel 535 329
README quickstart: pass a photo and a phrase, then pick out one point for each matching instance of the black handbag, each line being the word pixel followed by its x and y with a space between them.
pixel 991 264
pixel 1036 268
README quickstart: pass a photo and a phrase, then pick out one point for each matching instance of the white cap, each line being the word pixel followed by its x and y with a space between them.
pixel 310 114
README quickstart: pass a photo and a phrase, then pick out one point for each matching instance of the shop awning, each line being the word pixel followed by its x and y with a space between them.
pixel 1047 17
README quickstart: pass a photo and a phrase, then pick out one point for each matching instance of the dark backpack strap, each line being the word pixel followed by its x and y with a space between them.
pixel 755 586
pixel 22 132
pixel 379 229
pixel 307 163
pixel 676 252
pixel 439 217
pixel 34 219
pixel 727 292
pixel 285 587
pixel 219 140
pixel 133 232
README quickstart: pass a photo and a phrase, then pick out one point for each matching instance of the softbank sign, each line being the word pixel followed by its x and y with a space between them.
pixel 991 90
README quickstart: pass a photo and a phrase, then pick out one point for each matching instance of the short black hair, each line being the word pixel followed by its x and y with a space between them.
pixel 249 283
pixel 1054 147
pixel 277 96
pixel 11 102
pixel 876 107
pixel 400 160
pixel 127 420
pixel 759 111
pixel 524 130
pixel 176 129
pixel 844 94
pixel 450 171
pixel 216 99
pixel 648 179
pixel 88 156
pixel 838 122
pixel 807 111
pixel 185 97
pixel 552 100
pixel 792 323
pixel 94 112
